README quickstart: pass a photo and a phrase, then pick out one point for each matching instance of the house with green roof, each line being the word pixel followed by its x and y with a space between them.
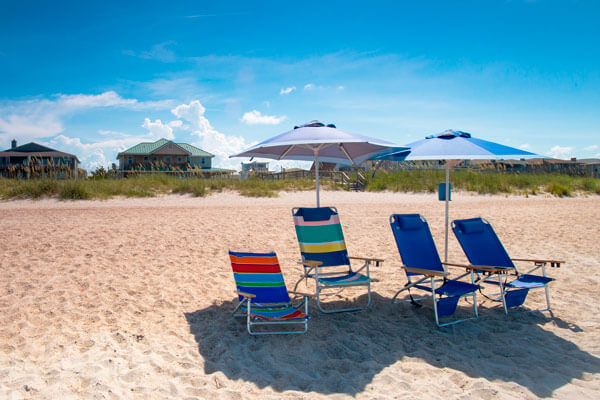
pixel 164 154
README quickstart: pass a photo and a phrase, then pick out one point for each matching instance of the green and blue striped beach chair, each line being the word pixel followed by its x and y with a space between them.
pixel 262 296
pixel 426 272
pixel 325 257
pixel 484 250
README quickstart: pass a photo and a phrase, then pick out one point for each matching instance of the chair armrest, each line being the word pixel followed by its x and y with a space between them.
pixel 483 268
pixel 539 261
pixel 310 263
pixel 248 295
pixel 376 260
pixel 422 271
pixel 300 293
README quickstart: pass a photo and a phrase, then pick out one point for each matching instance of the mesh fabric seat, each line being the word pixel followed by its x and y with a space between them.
pixel 325 257
pixel 262 296
pixel 482 247
pixel 425 270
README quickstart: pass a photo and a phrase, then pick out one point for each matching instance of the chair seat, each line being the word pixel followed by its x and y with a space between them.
pixel 265 312
pixel 351 279
pixel 529 281
pixel 452 288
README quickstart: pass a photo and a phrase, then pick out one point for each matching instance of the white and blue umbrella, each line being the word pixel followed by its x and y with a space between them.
pixel 317 142
pixel 457 145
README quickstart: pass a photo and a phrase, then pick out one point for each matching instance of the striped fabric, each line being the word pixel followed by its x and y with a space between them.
pixel 320 236
pixel 259 274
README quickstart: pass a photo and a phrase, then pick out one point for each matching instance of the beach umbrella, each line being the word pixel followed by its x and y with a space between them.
pixel 317 142
pixel 456 145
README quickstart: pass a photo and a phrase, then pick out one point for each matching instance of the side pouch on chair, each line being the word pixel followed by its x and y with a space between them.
pixel 447 306
pixel 515 298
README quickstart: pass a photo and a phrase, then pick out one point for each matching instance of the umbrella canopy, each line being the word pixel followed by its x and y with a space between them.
pixel 317 142
pixel 456 145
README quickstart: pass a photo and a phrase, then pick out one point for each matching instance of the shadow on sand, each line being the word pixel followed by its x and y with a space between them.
pixel 342 353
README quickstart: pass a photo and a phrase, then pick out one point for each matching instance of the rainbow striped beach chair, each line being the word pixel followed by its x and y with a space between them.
pixel 262 296
pixel 324 255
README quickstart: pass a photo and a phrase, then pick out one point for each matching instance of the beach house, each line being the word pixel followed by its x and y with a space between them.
pixel 33 159
pixel 164 154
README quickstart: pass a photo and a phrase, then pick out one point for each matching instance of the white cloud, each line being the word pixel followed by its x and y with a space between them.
pixel 254 117
pixel 287 90
pixel 42 117
pixel 525 146
pixel 593 147
pixel 309 86
pixel 562 152
pixel 158 130
pixel 30 124
pixel 209 139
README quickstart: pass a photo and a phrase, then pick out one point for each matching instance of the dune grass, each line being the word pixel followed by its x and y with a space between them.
pixel 398 181
pixel 483 182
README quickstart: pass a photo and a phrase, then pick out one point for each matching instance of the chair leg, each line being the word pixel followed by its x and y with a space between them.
pixel 502 294
pixel 437 320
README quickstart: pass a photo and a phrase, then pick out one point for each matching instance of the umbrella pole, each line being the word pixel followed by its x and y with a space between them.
pixel 317 174
pixel 447 204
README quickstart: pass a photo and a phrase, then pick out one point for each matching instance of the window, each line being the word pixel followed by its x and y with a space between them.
pixel 203 160
pixel 130 161
pixel 154 158
pixel 145 158
pixel 178 159
pixel 167 159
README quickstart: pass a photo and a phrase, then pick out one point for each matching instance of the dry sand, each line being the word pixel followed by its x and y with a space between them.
pixel 132 298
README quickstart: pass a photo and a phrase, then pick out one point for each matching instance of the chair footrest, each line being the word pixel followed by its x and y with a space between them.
pixel 353 278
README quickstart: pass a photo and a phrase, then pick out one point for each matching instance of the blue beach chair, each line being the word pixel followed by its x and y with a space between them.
pixel 325 257
pixel 262 296
pixel 483 248
pixel 425 271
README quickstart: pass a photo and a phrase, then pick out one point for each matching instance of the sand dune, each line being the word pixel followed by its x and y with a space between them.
pixel 132 298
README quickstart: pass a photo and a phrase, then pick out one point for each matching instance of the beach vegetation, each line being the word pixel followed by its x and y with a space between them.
pixel 417 181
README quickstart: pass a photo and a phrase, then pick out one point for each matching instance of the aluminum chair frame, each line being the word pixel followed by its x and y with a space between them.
pixel 503 272
pixel 316 270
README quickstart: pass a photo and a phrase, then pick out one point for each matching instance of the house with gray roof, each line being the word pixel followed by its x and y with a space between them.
pixel 164 154
pixel 33 159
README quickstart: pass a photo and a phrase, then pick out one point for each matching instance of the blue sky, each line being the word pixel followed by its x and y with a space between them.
pixel 95 79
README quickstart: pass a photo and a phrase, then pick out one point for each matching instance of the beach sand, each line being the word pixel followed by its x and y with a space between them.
pixel 132 298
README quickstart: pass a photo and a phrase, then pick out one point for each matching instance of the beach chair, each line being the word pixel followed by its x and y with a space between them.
pixel 262 296
pixel 325 258
pixel 425 271
pixel 483 249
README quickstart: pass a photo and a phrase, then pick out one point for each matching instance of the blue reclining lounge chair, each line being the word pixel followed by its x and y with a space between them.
pixel 425 270
pixel 324 255
pixel 483 249
pixel 262 296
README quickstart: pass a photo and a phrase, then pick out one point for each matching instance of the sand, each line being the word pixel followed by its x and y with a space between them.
pixel 132 298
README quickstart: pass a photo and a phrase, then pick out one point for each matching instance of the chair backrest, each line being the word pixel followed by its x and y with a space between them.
pixel 259 274
pixel 480 243
pixel 415 243
pixel 320 235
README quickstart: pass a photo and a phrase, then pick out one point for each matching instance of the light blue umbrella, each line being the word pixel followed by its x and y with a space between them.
pixel 456 145
pixel 317 142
